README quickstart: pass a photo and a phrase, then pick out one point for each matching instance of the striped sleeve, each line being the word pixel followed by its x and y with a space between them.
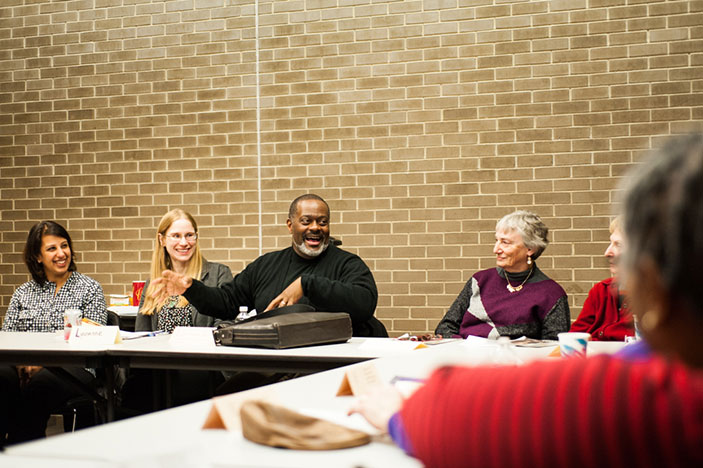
pixel 597 412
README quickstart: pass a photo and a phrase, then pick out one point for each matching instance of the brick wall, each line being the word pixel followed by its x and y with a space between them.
pixel 421 122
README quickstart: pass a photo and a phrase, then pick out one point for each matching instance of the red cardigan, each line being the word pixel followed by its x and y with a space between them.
pixel 600 315
pixel 599 412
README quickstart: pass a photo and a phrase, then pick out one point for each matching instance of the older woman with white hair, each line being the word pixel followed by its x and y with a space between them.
pixel 514 299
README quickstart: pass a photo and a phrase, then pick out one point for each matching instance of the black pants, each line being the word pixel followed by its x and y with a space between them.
pixel 145 389
pixel 241 381
pixel 24 411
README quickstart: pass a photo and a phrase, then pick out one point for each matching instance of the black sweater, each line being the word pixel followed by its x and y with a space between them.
pixel 335 281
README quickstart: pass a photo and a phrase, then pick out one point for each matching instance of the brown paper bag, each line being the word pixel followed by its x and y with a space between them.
pixel 277 426
pixel 224 413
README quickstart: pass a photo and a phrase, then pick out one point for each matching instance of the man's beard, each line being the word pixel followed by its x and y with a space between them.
pixel 310 252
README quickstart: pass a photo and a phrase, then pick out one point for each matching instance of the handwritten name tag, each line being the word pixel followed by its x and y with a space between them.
pixel 88 334
pixel 359 379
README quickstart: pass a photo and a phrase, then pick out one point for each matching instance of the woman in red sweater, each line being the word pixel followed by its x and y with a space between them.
pixel 605 314
pixel 645 410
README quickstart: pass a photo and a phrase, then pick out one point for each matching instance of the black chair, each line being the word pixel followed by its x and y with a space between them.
pixel 91 406
pixel 80 412
pixel 124 322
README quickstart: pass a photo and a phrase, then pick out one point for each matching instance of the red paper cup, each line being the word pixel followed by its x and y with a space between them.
pixel 137 290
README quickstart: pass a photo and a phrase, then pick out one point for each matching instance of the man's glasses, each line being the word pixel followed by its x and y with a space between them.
pixel 190 237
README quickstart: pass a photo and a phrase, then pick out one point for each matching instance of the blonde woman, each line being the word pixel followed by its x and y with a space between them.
pixel 176 248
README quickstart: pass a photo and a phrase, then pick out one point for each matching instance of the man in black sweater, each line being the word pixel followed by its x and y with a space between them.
pixel 312 271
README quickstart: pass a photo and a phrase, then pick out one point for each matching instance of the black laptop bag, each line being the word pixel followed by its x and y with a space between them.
pixel 286 327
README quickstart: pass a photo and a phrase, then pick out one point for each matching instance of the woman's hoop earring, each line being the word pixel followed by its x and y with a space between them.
pixel 649 320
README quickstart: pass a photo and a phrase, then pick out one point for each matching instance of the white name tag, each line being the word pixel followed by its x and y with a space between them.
pixel 88 334
pixel 200 337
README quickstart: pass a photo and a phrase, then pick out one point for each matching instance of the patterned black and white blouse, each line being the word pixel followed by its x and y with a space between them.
pixel 170 316
pixel 35 308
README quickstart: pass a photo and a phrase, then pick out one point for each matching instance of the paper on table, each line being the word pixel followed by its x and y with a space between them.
pixel 200 337
pixel 124 310
pixel 390 345
pixel 354 421
pixel 525 342
pixel 479 342
pixel 130 335
pixel 407 385
pixel 427 340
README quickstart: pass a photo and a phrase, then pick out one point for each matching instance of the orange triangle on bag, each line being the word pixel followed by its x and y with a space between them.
pixel 213 419
pixel 225 410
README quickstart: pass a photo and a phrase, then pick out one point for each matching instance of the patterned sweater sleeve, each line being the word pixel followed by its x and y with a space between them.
pixel 10 321
pixel 557 320
pixel 94 307
pixel 451 322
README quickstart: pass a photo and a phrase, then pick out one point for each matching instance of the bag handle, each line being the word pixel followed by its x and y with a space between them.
pixel 291 309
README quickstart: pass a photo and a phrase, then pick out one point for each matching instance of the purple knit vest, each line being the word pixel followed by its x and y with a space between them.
pixel 531 304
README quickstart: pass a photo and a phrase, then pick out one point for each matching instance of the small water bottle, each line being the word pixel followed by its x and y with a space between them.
pixel 504 354
pixel 242 315
pixel 71 319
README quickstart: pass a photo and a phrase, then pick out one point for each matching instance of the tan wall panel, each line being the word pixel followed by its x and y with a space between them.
pixel 421 123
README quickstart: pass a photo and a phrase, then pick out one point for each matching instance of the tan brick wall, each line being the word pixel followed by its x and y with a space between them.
pixel 421 122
